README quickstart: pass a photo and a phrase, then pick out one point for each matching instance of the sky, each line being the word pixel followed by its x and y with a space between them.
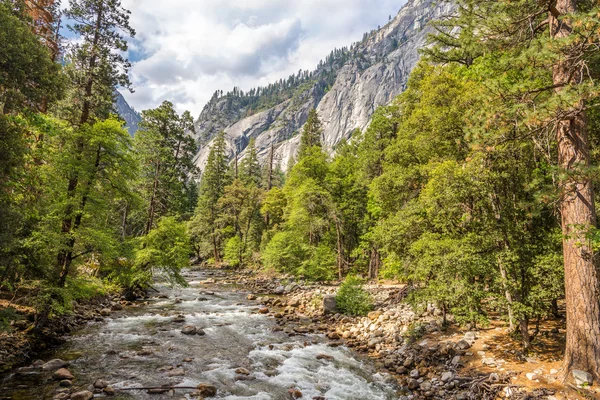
pixel 185 50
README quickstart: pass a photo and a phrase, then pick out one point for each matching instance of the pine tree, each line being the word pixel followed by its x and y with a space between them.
pixel 311 134
pixel 97 67
pixel 546 46
pixel 215 177
pixel 250 171
pixel 166 152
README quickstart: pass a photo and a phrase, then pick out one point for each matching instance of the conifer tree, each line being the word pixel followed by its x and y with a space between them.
pixel 250 171
pixel 215 177
pixel 547 46
pixel 311 134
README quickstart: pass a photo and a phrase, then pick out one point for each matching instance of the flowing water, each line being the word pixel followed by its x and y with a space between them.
pixel 141 346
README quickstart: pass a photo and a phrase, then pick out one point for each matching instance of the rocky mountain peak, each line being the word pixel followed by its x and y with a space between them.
pixel 346 89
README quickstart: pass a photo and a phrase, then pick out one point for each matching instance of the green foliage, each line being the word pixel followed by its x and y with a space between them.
pixel 311 134
pixel 284 253
pixel 165 250
pixel 352 299
pixel 233 252
pixel 29 76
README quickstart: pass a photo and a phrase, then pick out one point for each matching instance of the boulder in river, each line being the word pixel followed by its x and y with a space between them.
pixel 83 395
pixel 206 390
pixel 189 330
pixel 55 364
pixel 176 372
pixel 242 371
pixel 62 374
pixel 105 312
pixel 100 384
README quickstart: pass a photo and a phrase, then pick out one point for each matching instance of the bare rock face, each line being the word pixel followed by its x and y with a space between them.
pixel 374 72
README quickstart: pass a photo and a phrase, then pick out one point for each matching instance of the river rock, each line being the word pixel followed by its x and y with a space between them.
pixel 200 332
pixel 61 396
pixel 413 384
pixel 105 312
pixel 414 373
pixel 242 371
pixel 66 383
pixel 207 390
pixel 329 305
pixel 109 391
pixel 176 372
pixel 325 357
pixel 251 297
pixel 55 364
pixel 582 378
pixel 263 310
pixel 189 330
pixel 83 395
pixel 100 384
pixel 279 290
pixel 447 376
pixel 62 374
pixel 463 345
pixel 117 307
pixel 373 315
pixel 295 393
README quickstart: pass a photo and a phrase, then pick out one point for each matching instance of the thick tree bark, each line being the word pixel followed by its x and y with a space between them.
pixel 582 288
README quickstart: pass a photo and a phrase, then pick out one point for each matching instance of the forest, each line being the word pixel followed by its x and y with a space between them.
pixel 476 186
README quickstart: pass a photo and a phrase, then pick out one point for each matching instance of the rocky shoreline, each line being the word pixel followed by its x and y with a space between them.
pixel 21 346
pixel 427 361
pixel 423 359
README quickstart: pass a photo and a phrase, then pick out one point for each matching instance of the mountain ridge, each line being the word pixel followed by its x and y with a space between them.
pixel 345 89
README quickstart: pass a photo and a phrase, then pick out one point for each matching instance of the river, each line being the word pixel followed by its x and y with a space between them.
pixel 143 347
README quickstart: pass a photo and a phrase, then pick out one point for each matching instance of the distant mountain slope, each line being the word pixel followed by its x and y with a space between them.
pixel 131 117
pixel 345 89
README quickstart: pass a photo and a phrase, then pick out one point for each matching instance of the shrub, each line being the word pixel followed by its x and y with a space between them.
pixel 284 253
pixel 352 299
pixel 233 251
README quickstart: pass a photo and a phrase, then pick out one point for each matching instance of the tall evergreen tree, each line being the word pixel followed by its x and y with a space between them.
pixel 214 179
pixel 166 152
pixel 96 68
pixel 311 134
pixel 250 171
pixel 548 45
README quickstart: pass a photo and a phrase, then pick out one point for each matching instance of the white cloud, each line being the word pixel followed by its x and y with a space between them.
pixel 187 49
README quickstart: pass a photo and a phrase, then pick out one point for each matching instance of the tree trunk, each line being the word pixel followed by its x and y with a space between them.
pixel 525 338
pixel 582 288
pixel 340 256
pixel 508 296
pixel 68 256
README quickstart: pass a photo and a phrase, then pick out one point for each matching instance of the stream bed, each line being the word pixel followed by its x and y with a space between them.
pixel 239 353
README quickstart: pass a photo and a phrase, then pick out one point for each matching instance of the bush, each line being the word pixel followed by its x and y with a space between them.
pixel 233 251
pixel 284 253
pixel 352 299
pixel 165 250
pixel 320 264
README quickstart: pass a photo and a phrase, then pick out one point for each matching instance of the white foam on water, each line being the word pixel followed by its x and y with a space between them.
pixel 339 378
